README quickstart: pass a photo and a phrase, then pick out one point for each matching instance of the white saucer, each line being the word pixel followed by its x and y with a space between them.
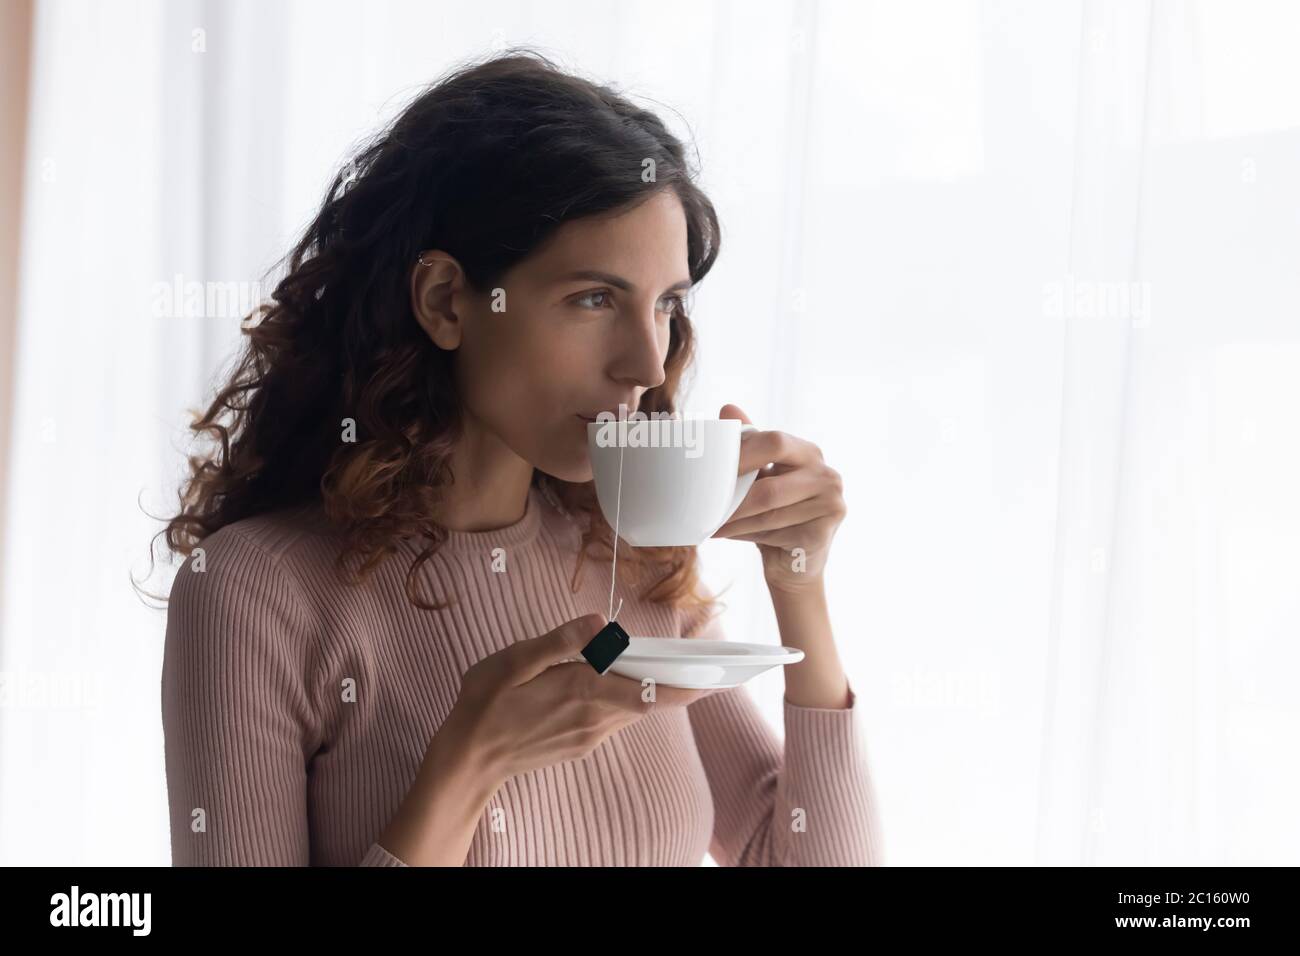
pixel 699 665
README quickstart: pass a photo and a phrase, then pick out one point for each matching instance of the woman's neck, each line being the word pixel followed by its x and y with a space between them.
pixel 490 488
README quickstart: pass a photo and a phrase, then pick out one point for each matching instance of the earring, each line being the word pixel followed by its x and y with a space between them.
pixel 423 262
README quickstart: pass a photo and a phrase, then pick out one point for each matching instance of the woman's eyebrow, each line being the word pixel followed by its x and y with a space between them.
pixel 618 282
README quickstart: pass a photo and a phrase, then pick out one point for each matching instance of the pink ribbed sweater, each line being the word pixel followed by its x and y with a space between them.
pixel 296 710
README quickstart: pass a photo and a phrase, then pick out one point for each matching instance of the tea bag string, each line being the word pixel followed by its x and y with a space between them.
pixel 613 575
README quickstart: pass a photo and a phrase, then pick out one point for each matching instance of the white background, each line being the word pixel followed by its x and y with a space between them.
pixel 1067 588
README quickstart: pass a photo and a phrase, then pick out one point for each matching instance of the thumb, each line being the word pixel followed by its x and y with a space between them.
pixel 529 658
pixel 734 411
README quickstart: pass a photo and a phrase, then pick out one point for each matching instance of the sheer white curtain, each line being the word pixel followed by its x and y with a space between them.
pixel 1025 272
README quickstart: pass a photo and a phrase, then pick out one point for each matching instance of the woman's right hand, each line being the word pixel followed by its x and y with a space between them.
pixel 523 707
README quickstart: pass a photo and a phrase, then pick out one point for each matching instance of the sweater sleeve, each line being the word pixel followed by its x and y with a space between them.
pixel 807 802
pixel 238 725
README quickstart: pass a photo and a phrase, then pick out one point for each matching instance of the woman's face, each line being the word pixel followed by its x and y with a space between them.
pixel 583 327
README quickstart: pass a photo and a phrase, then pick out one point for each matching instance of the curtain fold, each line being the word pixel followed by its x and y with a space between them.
pixel 15 60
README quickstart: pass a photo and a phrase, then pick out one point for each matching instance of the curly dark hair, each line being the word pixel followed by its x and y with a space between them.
pixel 485 163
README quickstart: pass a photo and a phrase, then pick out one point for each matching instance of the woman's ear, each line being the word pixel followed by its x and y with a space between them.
pixel 435 279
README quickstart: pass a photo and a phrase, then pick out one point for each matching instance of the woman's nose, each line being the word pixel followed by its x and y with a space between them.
pixel 642 351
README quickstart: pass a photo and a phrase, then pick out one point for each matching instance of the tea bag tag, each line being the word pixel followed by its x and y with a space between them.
pixel 604 649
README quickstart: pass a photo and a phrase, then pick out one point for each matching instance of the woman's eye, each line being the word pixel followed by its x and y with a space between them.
pixel 669 303
pixel 675 304
pixel 589 295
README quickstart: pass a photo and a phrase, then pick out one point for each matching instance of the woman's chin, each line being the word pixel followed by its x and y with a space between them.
pixel 579 474
pixel 573 461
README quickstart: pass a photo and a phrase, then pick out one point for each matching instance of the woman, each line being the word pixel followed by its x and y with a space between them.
pixel 370 649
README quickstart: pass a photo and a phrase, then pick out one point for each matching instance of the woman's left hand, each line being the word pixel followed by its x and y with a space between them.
pixel 793 508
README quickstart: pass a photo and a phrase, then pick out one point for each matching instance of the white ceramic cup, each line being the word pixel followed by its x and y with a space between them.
pixel 680 481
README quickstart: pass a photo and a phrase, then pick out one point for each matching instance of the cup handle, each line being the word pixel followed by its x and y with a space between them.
pixel 743 482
